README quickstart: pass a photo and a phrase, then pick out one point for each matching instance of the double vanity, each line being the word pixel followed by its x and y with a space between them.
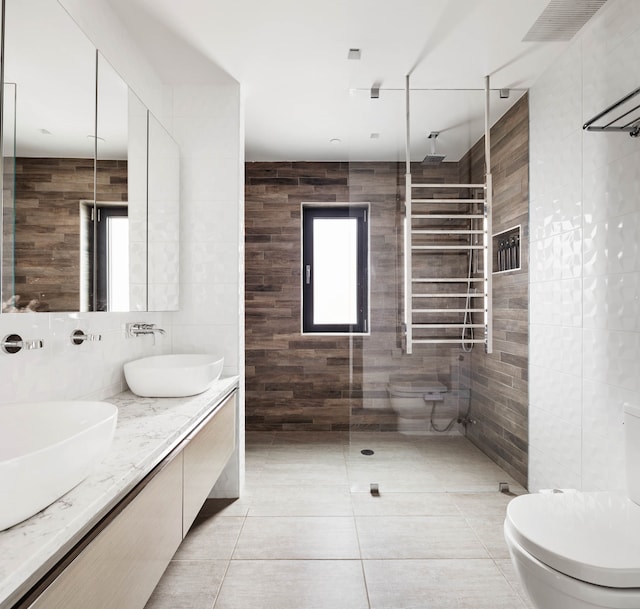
pixel 107 541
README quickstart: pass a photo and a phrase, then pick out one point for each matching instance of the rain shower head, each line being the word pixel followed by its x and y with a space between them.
pixel 432 157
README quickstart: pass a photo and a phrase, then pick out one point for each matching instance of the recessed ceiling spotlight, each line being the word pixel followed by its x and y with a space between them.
pixel 335 140
pixel 375 136
pixel 375 91
pixel 354 54
pixel 504 93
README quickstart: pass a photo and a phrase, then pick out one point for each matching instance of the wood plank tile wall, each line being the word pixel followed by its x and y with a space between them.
pixel 499 382
pixel 308 382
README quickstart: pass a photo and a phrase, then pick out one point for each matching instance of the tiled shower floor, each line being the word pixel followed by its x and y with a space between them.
pixel 307 533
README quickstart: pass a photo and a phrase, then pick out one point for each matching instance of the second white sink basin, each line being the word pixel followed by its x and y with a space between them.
pixel 47 448
pixel 172 376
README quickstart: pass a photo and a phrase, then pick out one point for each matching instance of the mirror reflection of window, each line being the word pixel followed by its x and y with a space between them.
pixel 118 264
pixel 111 273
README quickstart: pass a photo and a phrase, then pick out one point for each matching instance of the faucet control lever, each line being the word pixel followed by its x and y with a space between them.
pixel 13 343
pixel 78 337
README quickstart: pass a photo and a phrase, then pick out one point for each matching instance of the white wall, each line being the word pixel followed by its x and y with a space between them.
pixel 585 260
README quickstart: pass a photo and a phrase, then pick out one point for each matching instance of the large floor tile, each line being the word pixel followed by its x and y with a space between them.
pixel 491 505
pixel 438 584
pixel 188 585
pixel 211 538
pixel 319 500
pixel 298 537
pixel 404 537
pixel 393 477
pixel 297 584
pixel 290 473
pixel 403 504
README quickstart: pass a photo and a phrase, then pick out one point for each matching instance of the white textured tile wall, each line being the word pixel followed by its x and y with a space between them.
pixel 585 260
pixel 207 125
pixel 61 370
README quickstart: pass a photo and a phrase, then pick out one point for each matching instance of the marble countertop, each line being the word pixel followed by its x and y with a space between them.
pixel 147 430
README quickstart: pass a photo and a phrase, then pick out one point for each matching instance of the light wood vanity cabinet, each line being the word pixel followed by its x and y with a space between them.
pixel 205 456
pixel 119 566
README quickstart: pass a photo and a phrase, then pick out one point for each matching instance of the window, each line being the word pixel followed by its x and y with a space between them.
pixel 335 277
pixel 112 258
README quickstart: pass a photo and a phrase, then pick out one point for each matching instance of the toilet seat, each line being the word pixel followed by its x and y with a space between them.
pixel 406 385
pixel 592 537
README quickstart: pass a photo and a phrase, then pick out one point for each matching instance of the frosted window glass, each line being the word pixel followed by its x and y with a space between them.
pixel 335 274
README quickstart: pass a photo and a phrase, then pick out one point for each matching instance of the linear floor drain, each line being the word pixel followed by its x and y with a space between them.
pixel 366 451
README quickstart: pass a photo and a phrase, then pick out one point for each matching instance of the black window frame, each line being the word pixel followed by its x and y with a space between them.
pixel 361 213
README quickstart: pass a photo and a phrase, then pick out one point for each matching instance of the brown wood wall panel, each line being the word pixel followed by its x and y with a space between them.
pixel 499 382
pixel 47 225
pixel 322 382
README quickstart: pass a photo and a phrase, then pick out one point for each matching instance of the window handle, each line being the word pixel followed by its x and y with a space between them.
pixel 308 274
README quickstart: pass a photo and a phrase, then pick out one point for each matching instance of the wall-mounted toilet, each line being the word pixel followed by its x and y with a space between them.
pixel 575 550
pixel 412 398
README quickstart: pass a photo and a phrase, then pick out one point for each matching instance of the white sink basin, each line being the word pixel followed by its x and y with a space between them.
pixel 47 448
pixel 172 376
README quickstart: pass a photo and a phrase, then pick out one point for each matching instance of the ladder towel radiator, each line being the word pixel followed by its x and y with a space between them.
pixel 445 224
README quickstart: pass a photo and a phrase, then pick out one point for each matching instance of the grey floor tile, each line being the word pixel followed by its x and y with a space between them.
pixel 211 538
pixel 319 500
pixel 297 584
pixel 298 537
pixel 189 585
pixel 299 474
pixel 393 477
pixel 438 584
pixel 404 537
pixel 490 532
pixel 403 504
pixel 474 505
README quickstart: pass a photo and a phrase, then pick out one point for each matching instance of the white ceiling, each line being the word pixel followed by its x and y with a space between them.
pixel 301 91
pixel 290 56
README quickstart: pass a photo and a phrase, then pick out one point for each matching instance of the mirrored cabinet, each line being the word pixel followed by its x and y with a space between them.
pixel 89 176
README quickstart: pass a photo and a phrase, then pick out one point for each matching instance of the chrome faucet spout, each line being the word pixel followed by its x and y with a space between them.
pixel 140 329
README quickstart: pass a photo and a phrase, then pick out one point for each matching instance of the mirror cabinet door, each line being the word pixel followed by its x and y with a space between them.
pixel 164 219
pixel 137 187
pixel 50 66
pixel 111 230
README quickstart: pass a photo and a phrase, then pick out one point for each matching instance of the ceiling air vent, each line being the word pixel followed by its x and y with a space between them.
pixel 562 19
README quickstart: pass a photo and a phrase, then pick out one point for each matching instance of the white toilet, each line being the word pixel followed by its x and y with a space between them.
pixel 574 550
pixel 412 397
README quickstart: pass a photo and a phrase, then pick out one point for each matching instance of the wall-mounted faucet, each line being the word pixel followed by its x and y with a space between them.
pixel 13 343
pixel 78 337
pixel 140 329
